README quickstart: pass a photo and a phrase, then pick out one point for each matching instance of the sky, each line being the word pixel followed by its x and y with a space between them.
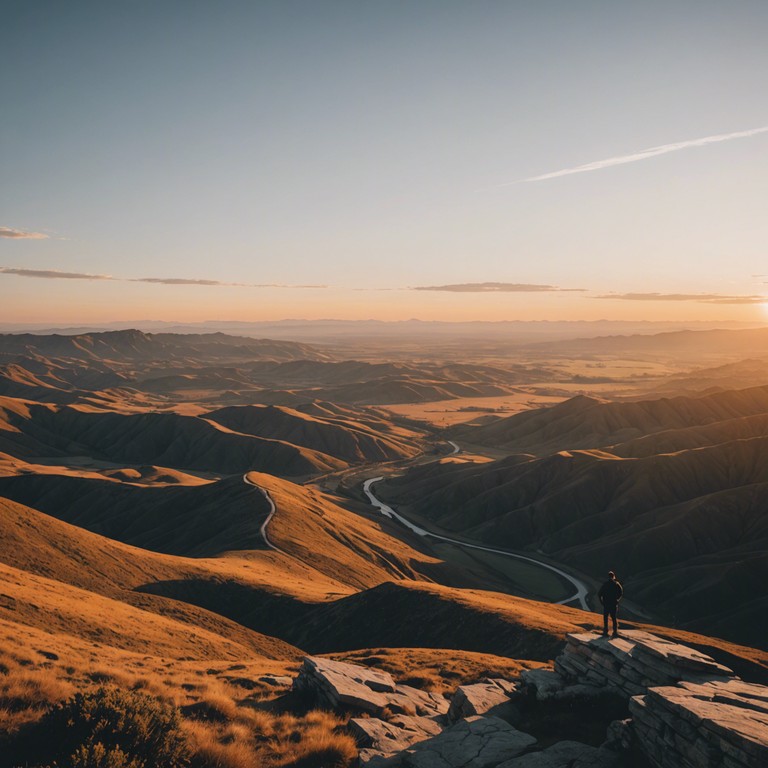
pixel 438 159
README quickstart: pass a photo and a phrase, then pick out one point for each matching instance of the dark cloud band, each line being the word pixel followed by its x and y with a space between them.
pixel 54 274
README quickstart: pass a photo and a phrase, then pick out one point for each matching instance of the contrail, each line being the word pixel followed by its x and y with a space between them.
pixel 643 154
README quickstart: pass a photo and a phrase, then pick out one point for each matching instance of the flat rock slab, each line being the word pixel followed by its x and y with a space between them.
pixel 634 642
pixel 480 698
pixel 380 739
pixel 475 742
pixel 344 685
pixel 353 687
pixel 408 700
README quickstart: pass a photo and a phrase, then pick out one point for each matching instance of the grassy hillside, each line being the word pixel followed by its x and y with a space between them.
pixel 587 422
pixel 687 530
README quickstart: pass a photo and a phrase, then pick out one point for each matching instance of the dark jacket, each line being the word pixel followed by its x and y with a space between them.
pixel 610 593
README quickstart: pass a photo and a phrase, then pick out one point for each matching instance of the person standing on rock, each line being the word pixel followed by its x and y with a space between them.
pixel 610 594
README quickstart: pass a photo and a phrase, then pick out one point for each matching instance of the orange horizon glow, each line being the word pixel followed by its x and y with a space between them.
pixel 27 303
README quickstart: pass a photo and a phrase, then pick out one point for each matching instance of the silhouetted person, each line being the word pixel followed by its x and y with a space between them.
pixel 610 594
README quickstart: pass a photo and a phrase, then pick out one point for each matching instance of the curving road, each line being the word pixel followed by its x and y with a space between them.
pixel 581 588
pixel 272 510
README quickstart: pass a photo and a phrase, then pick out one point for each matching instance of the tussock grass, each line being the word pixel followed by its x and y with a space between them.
pixel 277 740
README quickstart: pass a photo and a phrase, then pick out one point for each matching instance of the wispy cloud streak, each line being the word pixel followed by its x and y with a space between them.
pixel 644 154
pixel 20 234
pixel 55 274
pixel 48 274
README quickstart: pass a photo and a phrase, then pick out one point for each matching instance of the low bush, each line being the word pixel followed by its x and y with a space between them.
pixel 109 728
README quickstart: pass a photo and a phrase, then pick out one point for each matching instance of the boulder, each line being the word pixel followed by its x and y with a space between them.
pixel 543 682
pixel 380 740
pixel 475 742
pixel 481 698
pixel 350 687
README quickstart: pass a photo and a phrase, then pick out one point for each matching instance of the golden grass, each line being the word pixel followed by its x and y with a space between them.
pixel 278 740
pixel 351 549
pixel 227 724
pixel 28 690
pixel 438 670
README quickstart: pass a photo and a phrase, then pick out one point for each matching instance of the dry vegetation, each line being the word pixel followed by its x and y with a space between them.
pixel 437 670
pixel 230 714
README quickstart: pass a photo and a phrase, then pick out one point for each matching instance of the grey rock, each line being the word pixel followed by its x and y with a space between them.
pixel 379 739
pixel 633 662
pixel 716 722
pixel 564 754
pixel 481 698
pixel 475 742
pixel 340 685
pixel 545 682
pixel 406 698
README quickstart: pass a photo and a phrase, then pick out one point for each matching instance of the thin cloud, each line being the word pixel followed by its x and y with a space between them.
pixel 191 281
pixel 704 298
pixel 48 274
pixel 20 234
pixel 55 274
pixel 495 288
pixel 644 154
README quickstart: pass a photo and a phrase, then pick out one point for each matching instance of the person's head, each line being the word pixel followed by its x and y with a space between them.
pixel 612 575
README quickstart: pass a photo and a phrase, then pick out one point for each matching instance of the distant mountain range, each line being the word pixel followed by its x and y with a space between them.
pixel 519 331
pixel 149 369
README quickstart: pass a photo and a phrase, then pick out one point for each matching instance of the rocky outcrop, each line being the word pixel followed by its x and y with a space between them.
pixel 721 723
pixel 687 711
pixel 343 686
pixel 634 662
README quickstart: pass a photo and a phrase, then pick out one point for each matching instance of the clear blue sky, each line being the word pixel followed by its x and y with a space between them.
pixel 366 146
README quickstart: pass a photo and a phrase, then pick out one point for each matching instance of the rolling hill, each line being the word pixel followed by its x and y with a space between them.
pixel 281 441
pixel 692 521
pixel 586 422
pixel 32 431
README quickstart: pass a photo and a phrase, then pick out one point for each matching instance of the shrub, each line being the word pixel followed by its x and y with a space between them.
pixel 110 728
pixel 98 756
